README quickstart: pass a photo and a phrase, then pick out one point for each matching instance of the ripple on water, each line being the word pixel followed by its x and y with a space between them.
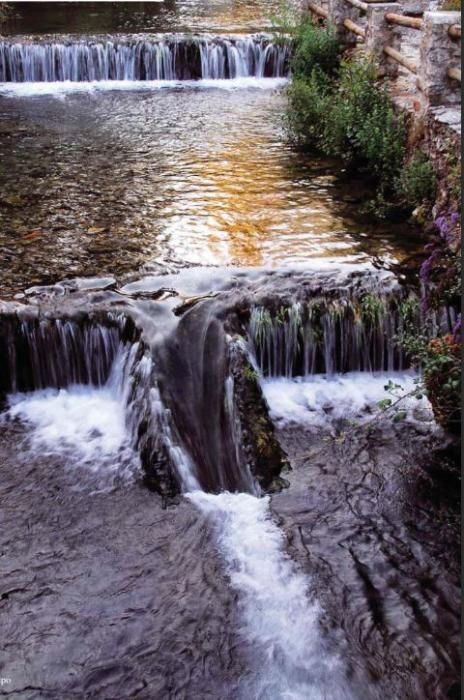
pixel 112 181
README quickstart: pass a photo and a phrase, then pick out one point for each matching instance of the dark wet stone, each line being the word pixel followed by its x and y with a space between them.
pixel 379 537
pixel 110 594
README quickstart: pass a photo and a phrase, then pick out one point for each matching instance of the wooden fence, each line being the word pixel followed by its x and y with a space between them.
pixel 380 26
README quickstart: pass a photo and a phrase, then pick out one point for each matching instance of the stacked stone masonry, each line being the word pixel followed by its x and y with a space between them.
pixel 435 35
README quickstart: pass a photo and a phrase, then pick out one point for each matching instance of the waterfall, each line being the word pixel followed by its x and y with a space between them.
pixel 142 59
pixel 280 617
pixel 187 408
pixel 183 420
pixel 38 354
pixel 328 336
pixel 198 384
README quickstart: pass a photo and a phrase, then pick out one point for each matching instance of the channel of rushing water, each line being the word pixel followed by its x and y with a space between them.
pixel 135 157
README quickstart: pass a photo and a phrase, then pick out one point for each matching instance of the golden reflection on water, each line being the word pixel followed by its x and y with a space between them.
pixel 113 183
pixel 251 213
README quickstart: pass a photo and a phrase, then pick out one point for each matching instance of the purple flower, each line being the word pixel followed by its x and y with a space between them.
pixel 425 269
pixel 457 330
pixel 446 223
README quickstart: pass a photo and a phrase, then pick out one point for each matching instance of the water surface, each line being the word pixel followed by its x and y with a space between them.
pixel 343 586
pixel 102 181
pixel 163 16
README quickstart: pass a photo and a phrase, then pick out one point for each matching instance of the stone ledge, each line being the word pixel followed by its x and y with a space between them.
pixel 451 116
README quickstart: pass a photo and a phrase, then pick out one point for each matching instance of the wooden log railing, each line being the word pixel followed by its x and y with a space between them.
pixel 355 28
pixel 362 6
pixel 317 10
pixel 399 58
pixel 378 21
pixel 404 21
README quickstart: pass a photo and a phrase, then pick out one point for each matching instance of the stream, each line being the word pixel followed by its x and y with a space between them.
pixel 201 498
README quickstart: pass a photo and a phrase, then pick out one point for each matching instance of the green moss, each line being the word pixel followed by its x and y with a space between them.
pixel 249 373
pixel 372 308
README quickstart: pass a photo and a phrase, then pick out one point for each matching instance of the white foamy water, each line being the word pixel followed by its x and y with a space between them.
pixel 84 425
pixel 65 87
pixel 280 617
pixel 320 399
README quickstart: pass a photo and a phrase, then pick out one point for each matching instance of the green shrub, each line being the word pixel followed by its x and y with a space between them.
pixel 362 127
pixel 314 47
pixel 350 118
pixel 308 102
pixel 440 362
pixel 339 109
pixel 417 182
pixel 381 142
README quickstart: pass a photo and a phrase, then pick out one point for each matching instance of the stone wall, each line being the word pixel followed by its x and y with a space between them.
pixel 425 51
pixel 438 52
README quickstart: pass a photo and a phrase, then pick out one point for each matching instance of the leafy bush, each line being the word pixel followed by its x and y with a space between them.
pixel 309 99
pixel 440 362
pixel 362 127
pixel 349 117
pixel 314 47
pixel 439 359
pixel 417 182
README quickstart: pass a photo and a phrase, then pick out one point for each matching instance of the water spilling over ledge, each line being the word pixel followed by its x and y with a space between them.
pixel 143 59
pixel 183 358
pixel 328 336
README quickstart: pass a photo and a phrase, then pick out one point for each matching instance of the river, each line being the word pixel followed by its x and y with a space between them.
pixel 201 497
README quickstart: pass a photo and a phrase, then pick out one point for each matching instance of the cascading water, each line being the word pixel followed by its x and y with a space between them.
pixel 106 370
pixel 280 616
pixel 181 387
pixel 142 59
pixel 38 354
pixel 328 336
pixel 70 383
pixel 184 423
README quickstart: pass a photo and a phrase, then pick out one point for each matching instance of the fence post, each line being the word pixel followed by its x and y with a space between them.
pixel 438 52
pixel 339 10
pixel 380 33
